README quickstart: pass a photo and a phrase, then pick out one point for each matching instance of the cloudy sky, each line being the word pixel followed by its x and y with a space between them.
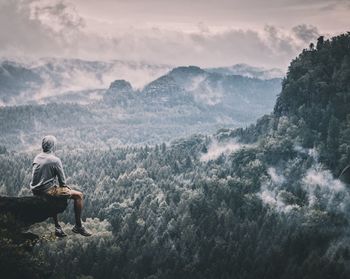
pixel 265 33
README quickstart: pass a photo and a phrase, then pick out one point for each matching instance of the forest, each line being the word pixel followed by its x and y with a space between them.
pixel 257 202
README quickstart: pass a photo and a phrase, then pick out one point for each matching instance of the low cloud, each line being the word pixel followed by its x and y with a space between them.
pixel 273 194
pixel 306 33
pixel 217 148
pixel 322 190
pixel 84 75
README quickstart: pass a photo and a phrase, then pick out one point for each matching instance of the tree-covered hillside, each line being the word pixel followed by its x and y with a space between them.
pixel 316 97
pixel 313 107
pixel 260 202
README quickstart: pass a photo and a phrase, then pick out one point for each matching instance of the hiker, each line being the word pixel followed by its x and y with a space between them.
pixel 46 168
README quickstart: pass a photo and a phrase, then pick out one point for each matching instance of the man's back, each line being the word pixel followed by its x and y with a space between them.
pixel 46 167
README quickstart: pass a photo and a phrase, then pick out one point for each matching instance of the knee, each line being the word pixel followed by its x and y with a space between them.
pixel 81 195
pixel 78 196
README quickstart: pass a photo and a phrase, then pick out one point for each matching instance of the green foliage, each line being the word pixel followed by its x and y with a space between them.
pixel 316 94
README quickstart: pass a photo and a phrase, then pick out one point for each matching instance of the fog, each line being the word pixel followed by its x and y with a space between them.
pixel 322 189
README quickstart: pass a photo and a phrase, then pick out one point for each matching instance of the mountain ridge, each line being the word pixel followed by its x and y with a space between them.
pixel 62 76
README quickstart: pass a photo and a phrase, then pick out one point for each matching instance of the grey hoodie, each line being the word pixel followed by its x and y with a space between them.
pixel 46 167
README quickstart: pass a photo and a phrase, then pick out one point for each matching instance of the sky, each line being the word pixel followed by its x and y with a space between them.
pixel 207 33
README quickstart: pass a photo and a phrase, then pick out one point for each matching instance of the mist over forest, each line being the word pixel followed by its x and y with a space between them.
pixel 187 172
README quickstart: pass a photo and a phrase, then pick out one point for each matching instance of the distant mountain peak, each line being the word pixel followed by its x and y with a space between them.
pixel 164 85
pixel 121 85
pixel 187 70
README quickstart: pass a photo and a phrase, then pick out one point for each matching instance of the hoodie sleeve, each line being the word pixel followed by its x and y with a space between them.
pixel 60 174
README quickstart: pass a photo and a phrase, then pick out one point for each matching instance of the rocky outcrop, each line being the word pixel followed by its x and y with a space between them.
pixel 33 209
pixel 16 243
pixel 120 93
pixel 120 85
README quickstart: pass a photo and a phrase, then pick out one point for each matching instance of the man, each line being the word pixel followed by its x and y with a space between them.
pixel 46 168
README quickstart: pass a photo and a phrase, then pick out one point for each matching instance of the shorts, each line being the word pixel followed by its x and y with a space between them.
pixel 57 191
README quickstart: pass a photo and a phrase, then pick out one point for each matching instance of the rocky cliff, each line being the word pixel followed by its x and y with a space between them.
pixel 30 210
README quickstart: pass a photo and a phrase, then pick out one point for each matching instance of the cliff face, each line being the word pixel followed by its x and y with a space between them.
pixel 34 209
pixel 16 214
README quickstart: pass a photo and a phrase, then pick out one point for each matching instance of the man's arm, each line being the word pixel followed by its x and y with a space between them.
pixel 60 174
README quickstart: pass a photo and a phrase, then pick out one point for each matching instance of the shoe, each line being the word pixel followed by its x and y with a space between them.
pixel 59 232
pixel 80 230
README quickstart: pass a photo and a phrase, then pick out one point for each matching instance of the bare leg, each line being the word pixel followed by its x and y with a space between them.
pixel 58 230
pixel 55 219
pixel 78 206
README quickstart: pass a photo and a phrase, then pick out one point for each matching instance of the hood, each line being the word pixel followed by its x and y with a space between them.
pixel 49 144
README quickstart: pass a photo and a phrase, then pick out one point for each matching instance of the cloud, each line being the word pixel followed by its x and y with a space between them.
pixel 276 200
pixel 328 5
pixel 37 28
pixel 278 41
pixel 276 178
pixel 216 148
pixel 19 31
pixel 323 190
pixel 58 15
pixel 306 33
pixel 212 48
pixel 272 192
